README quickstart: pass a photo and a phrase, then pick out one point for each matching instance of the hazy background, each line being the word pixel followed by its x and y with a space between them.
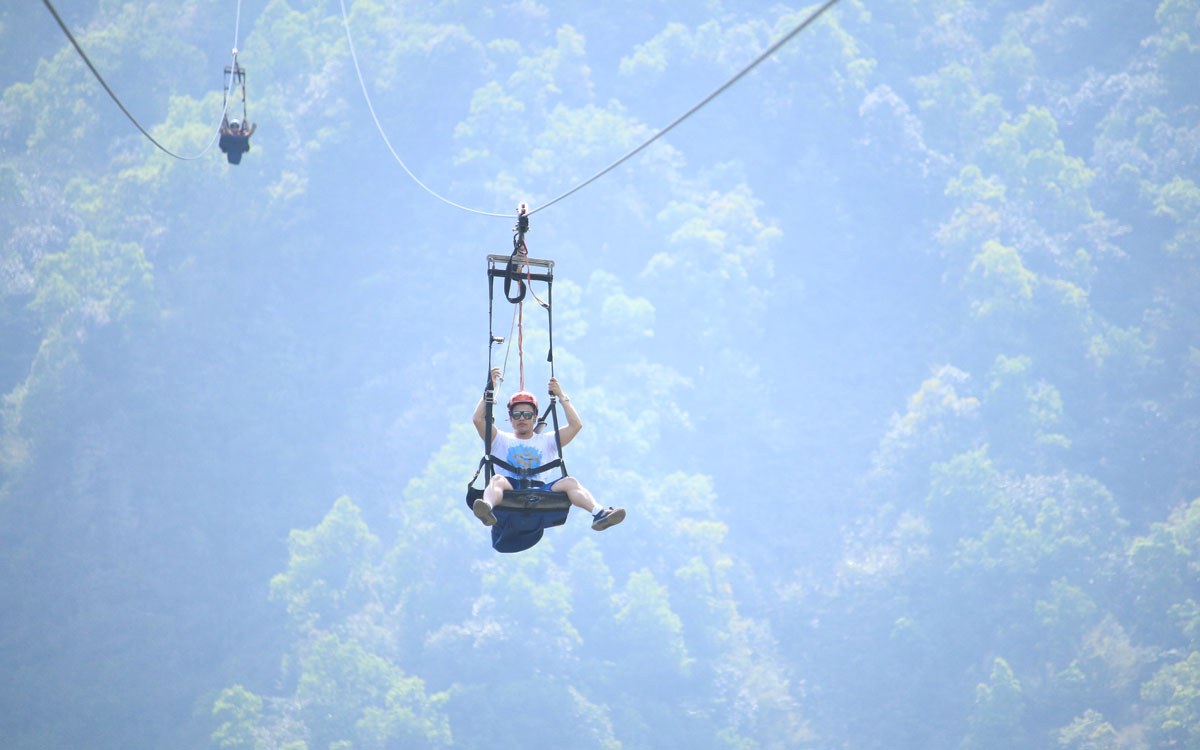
pixel 892 353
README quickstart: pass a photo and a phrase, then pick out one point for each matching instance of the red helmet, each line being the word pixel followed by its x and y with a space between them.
pixel 522 397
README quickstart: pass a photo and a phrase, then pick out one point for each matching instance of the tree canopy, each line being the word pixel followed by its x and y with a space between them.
pixel 890 352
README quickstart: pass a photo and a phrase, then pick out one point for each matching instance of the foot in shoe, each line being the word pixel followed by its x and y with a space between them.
pixel 483 512
pixel 607 517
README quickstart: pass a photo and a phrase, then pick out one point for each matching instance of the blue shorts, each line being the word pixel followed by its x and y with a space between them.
pixel 529 483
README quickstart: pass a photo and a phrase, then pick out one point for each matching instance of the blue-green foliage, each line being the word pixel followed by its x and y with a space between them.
pixel 890 352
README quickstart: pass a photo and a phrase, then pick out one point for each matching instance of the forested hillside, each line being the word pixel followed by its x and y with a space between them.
pixel 891 352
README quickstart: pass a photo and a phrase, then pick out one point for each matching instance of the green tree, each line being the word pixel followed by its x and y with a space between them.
pixel 940 421
pixel 1025 415
pixel 1173 699
pixel 1089 731
pixel 345 693
pixel 1005 285
pixel 239 712
pixel 1163 564
pixel 329 572
pixel 1065 616
pixel 651 630
pixel 1110 663
pixel 1178 46
pixel 1030 157
pixel 92 280
pixel 964 496
pixel 996 719
pixel 959 112
pixel 1179 200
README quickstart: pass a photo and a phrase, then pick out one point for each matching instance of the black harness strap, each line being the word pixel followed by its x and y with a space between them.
pixel 519 471
pixel 510 275
pixel 482 462
pixel 512 270
pixel 550 325
pixel 557 440
pixel 489 398
pixel 550 358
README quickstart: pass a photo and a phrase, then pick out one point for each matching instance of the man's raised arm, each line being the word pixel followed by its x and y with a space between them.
pixel 480 417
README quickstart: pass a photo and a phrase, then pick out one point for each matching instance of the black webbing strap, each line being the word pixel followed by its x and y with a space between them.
pixel 510 275
pixel 550 325
pixel 541 423
pixel 513 267
pixel 525 472
pixel 550 358
pixel 557 440
pixel 482 462
pixel 489 397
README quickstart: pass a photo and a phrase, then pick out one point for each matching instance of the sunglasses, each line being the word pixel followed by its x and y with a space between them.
pixel 522 414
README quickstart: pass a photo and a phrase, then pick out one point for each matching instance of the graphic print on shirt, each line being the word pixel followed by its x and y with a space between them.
pixel 524 456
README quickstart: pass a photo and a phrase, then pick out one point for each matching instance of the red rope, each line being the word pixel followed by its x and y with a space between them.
pixel 523 250
pixel 521 340
pixel 529 286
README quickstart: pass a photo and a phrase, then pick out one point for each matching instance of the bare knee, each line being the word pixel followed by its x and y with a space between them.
pixel 500 483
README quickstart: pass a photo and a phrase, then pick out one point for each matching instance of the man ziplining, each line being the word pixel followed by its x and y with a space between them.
pixel 519 501
pixel 525 449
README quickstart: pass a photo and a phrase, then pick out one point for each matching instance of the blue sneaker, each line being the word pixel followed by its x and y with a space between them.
pixel 607 517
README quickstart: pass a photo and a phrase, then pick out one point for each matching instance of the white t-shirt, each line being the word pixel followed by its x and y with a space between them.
pixel 529 453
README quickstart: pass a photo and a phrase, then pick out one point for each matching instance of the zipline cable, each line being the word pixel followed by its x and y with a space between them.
pixel 659 134
pixel 138 125
pixel 770 51
pixel 237 26
pixel 388 143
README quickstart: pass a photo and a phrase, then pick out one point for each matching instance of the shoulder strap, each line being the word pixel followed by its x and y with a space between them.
pixel 489 397
pixel 557 440
pixel 482 462
pixel 550 358
pixel 556 463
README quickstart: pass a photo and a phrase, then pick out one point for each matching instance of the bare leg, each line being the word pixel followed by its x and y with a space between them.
pixel 495 490
pixel 492 495
pixel 577 494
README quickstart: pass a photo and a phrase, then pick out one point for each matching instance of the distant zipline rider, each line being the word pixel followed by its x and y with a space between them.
pixel 235 134
pixel 515 502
